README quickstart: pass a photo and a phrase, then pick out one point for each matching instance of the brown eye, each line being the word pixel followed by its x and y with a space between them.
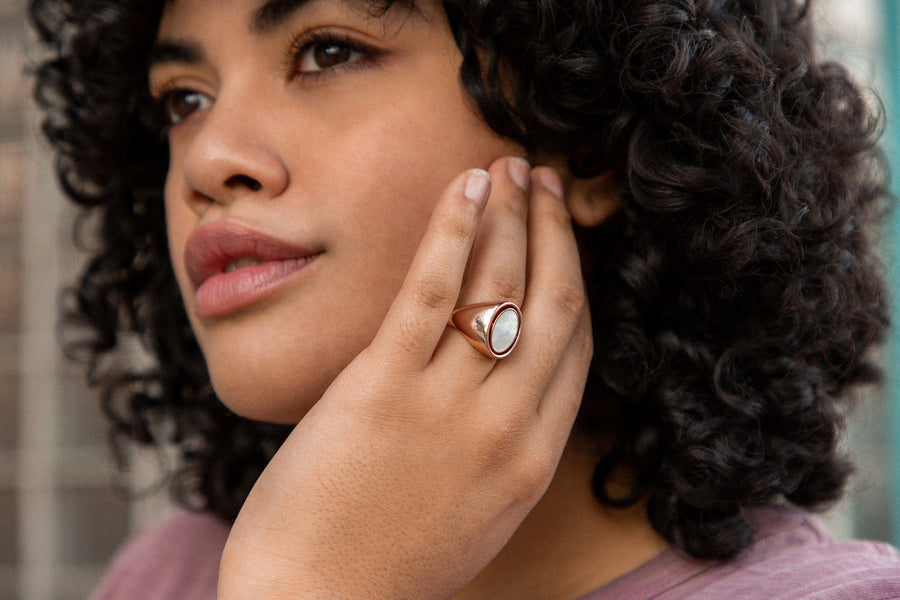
pixel 327 55
pixel 180 104
pixel 331 55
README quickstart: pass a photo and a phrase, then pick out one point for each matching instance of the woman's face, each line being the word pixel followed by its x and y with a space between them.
pixel 309 144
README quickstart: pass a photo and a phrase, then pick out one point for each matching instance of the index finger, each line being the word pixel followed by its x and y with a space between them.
pixel 418 316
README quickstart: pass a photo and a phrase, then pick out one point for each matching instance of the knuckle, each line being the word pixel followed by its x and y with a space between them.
pixel 569 298
pixel 533 474
pixel 504 436
pixel 542 469
pixel 434 291
pixel 407 335
pixel 458 227
pixel 507 284
pixel 513 204
pixel 555 213
pixel 572 408
pixel 583 341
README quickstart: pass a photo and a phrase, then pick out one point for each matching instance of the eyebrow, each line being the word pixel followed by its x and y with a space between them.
pixel 175 52
pixel 274 13
pixel 267 18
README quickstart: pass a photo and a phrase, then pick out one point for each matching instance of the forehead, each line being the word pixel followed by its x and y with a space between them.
pixel 272 12
pixel 263 16
pixel 189 28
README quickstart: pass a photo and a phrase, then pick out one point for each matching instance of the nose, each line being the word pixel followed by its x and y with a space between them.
pixel 230 157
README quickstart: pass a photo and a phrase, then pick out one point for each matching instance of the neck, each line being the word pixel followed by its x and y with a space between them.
pixel 569 544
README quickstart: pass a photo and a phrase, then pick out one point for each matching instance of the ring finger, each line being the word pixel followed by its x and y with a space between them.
pixel 497 265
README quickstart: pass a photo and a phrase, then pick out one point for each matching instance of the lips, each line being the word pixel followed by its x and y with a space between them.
pixel 233 266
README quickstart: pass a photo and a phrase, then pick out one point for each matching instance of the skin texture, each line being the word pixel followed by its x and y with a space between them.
pixel 351 164
pixel 392 487
pixel 416 459
pixel 722 292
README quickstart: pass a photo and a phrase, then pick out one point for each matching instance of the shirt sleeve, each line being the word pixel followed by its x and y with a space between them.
pixel 174 559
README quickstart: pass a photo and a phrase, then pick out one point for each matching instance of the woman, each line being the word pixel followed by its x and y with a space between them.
pixel 304 206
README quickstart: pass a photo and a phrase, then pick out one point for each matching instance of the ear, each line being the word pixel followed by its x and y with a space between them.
pixel 592 201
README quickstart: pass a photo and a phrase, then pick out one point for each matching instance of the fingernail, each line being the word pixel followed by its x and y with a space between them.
pixel 520 172
pixel 550 179
pixel 478 186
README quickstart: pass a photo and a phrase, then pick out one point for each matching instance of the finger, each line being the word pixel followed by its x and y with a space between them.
pixel 497 267
pixel 497 264
pixel 563 395
pixel 555 298
pixel 418 316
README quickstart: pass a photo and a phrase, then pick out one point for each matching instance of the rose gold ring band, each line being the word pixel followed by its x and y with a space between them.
pixel 492 328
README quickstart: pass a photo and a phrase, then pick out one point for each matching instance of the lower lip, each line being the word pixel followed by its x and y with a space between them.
pixel 228 292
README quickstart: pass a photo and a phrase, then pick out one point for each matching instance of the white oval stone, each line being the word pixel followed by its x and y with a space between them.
pixel 503 334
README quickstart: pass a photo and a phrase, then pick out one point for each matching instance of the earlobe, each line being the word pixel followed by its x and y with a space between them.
pixel 592 201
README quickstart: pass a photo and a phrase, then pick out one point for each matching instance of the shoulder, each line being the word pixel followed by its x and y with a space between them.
pixel 175 558
pixel 792 558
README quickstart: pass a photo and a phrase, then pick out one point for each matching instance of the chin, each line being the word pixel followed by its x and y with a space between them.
pixel 263 400
pixel 264 368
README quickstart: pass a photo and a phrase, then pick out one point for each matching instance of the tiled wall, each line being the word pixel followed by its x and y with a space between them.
pixel 62 510
pixel 852 32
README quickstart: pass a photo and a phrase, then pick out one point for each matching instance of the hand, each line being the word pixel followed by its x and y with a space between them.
pixel 424 456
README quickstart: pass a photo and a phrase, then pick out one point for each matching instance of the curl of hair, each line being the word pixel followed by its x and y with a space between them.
pixel 735 296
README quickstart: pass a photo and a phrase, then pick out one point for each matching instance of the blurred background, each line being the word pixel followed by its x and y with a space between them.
pixel 64 509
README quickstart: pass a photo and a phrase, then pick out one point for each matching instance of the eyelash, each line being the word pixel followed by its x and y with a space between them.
pixel 306 42
pixel 163 109
pixel 300 45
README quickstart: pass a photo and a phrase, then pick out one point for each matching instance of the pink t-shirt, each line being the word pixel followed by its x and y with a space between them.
pixel 174 559
pixel 792 558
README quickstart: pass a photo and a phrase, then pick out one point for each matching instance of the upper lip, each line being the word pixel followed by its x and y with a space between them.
pixel 210 248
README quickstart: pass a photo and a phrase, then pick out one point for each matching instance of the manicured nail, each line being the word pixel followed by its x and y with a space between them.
pixel 550 179
pixel 478 186
pixel 520 172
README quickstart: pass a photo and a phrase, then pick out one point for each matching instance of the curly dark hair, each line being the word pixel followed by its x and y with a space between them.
pixel 735 296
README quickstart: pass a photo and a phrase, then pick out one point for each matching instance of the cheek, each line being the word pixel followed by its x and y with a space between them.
pixel 180 221
pixel 399 162
pixel 366 180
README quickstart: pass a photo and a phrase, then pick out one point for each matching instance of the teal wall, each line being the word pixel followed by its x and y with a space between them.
pixel 891 96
